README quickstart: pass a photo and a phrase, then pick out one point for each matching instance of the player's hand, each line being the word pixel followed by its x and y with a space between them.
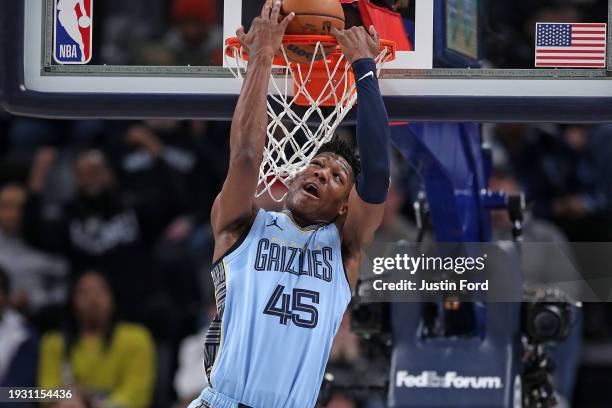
pixel 357 43
pixel 266 33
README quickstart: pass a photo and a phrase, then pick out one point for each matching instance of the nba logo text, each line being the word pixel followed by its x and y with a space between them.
pixel 72 36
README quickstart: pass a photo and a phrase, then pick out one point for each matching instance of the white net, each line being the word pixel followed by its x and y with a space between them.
pixel 293 140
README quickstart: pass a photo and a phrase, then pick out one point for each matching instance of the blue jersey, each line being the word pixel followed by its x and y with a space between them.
pixel 281 293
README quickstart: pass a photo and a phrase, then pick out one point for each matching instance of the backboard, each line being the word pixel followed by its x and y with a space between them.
pixel 470 60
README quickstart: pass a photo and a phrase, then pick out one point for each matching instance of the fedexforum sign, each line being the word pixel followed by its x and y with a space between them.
pixel 431 379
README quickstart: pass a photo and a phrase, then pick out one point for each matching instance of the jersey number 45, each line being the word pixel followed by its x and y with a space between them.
pixel 292 307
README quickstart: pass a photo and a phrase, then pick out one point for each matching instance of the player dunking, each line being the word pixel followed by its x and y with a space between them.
pixel 283 280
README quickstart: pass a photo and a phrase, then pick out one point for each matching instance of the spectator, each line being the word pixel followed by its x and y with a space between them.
pixel 38 278
pixel 110 362
pixel 194 38
pixel 98 228
pixel 175 163
pixel 555 167
pixel 180 166
pixel 18 345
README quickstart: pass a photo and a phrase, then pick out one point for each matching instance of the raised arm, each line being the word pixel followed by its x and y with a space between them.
pixel 367 200
pixel 233 211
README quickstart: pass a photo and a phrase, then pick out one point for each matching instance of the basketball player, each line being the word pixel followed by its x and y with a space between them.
pixel 283 279
pixel 68 18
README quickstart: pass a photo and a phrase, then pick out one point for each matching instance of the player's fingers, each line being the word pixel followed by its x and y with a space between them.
pixel 348 33
pixel 337 33
pixel 240 33
pixel 374 33
pixel 287 20
pixel 265 11
pixel 374 39
pixel 275 10
pixel 364 33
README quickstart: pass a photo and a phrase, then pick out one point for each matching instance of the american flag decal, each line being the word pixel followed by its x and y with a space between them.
pixel 571 45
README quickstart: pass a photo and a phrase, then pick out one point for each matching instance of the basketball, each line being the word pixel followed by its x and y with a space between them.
pixel 312 17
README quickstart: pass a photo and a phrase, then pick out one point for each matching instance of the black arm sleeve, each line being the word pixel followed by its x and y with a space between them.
pixel 373 135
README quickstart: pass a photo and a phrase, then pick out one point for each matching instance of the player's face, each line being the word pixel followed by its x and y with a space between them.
pixel 319 194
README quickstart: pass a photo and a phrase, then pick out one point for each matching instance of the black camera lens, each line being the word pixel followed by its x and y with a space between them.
pixel 547 322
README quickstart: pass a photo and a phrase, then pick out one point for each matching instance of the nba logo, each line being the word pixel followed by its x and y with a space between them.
pixel 72 37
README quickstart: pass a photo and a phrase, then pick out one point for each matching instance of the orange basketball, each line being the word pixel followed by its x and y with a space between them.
pixel 312 17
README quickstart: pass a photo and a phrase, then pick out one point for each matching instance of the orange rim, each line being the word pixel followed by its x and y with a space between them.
pixel 325 40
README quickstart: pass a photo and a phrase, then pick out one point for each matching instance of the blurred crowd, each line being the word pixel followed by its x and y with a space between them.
pixel 105 247
pixel 101 224
pixel 158 32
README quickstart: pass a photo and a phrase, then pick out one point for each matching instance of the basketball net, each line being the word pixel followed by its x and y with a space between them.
pixel 324 87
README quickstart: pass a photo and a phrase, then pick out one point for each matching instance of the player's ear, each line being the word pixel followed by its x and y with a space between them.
pixel 343 209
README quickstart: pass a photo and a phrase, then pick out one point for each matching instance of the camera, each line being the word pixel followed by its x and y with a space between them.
pixel 547 315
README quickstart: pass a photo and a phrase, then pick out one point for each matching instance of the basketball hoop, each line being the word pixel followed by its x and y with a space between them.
pixel 324 87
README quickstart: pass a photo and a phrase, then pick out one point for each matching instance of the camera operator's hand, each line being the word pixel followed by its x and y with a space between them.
pixel 266 33
pixel 357 43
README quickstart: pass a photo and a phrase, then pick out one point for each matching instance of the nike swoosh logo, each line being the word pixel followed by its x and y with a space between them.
pixel 369 73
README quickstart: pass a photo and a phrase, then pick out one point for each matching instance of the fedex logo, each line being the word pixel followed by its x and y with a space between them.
pixel 72 37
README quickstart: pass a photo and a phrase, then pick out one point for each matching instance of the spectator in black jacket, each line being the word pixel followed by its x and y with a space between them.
pixel 98 229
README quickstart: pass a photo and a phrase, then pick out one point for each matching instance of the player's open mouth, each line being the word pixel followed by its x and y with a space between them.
pixel 312 189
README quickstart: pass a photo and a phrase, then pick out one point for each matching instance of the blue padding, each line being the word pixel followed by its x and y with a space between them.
pixel 448 157
pixel 493 360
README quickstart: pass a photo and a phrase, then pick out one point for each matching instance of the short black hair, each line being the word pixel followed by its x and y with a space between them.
pixel 343 149
pixel 5 283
